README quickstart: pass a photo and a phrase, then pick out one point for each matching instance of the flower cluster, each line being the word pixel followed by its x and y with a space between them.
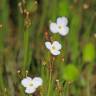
pixel 31 84
pixel 60 26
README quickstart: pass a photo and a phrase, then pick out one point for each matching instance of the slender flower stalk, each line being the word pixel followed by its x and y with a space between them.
pixel 26 41
pixel 67 87
pixel 88 84
pixel 50 76
pixel 26 45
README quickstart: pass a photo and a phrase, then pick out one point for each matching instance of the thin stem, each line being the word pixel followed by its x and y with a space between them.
pixel 50 75
pixel 67 89
pixel 26 40
pixel 26 46
pixel 88 84
pixel 4 15
pixel 49 85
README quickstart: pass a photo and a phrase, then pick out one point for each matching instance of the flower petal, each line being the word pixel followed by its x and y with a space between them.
pixel 25 82
pixel 30 90
pixel 64 31
pixel 62 21
pixel 55 52
pixel 48 45
pixel 37 81
pixel 57 45
pixel 53 27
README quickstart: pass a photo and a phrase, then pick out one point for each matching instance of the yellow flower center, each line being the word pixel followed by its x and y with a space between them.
pixel 53 48
pixel 60 27
pixel 30 84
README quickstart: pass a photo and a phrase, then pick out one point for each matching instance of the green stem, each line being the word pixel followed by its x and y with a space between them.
pixel 26 46
pixel 88 84
pixel 66 89
pixel 50 75
pixel 49 85
pixel 4 16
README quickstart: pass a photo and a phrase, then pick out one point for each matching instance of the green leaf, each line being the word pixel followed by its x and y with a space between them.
pixel 89 52
pixel 73 36
pixel 63 9
pixel 71 73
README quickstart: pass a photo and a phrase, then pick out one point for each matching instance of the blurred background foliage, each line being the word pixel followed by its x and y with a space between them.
pixel 24 28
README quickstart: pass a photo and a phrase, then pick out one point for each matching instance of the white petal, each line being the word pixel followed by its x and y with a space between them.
pixel 53 27
pixel 64 31
pixel 62 21
pixel 30 90
pixel 57 45
pixel 37 81
pixel 55 52
pixel 25 82
pixel 48 45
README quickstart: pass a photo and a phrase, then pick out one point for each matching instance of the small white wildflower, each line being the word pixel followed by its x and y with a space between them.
pixel 30 90
pixel 60 26
pixel 31 84
pixel 54 48
pixel 26 82
pixel 37 82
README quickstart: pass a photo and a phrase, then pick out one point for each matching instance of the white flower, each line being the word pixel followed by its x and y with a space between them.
pixel 26 82
pixel 30 90
pixel 54 48
pixel 31 84
pixel 60 26
pixel 37 82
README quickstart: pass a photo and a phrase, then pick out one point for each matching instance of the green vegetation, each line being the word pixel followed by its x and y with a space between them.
pixel 24 29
